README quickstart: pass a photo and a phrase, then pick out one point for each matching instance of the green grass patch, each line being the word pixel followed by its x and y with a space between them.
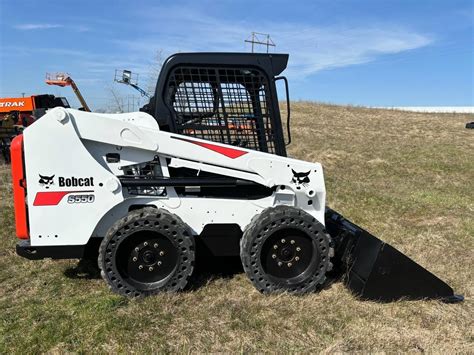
pixel 407 177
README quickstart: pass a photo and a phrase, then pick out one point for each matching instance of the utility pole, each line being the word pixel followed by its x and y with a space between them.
pixel 261 39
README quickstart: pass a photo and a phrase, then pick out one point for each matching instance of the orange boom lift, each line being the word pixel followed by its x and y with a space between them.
pixel 64 79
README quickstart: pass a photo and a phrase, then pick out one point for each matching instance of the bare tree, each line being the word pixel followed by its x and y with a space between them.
pixel 154 72
pixel 116 104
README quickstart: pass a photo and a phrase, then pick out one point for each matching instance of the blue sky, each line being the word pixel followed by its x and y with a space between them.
pixel 367 52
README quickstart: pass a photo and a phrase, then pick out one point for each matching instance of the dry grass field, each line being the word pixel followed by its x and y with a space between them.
pixel 406 177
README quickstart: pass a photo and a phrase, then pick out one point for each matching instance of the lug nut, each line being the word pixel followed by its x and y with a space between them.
pixel 140 267
pixel 274 256
pixel 162 253
pixel 150 268
pixel 137 249
pixel 292 241
pixel 155 245
pixel 298 249
pixel 289 264
pixel 297 258
pixel 145 244
pixel 158 263
pixel 280 263
pixel 275 246
pixel 134 258
pixel 283 241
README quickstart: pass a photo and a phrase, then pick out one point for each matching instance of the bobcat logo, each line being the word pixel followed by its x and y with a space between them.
pixel 46 181
pixel 300 178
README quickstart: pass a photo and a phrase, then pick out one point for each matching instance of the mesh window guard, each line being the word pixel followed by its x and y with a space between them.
pixel 225 105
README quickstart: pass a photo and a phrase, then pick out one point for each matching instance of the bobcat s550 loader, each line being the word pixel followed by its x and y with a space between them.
pixel 203 163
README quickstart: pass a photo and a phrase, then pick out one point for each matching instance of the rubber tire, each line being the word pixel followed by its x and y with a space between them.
pixel 254 237
pixel 183 240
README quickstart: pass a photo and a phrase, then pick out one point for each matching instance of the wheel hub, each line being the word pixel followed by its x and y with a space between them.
pixel 149 254
pixel 147 258
pixel 288 254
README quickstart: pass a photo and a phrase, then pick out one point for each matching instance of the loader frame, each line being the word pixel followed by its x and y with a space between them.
pixel 210 148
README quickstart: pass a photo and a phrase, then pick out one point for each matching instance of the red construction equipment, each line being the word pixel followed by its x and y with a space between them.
pixel 64 79
pixel 16 113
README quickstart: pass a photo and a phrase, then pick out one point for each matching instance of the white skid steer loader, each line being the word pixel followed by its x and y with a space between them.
pixel 203 163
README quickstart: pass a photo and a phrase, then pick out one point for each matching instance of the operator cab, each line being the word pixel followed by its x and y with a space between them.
pixel 222 97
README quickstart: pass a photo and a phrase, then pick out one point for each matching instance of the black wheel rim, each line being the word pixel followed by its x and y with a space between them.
pixel 146 259
pixel 289 256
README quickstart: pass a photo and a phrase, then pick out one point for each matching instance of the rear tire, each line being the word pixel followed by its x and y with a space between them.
pixel 286 249
pixel 148 251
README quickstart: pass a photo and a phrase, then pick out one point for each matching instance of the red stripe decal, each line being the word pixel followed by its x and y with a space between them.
pixel 52 198
pixel 228 152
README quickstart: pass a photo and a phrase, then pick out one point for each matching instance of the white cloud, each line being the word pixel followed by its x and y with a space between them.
pixel 81 28
pixel 36 26
pixel 47 26
pixel 23 50
pixel 312 48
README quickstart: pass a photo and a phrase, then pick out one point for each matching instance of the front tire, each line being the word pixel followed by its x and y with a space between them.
pixel 148 251
pixel 286 249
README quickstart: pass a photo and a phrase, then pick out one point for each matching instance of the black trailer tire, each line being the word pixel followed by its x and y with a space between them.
pixel 148 251
pixel 275 242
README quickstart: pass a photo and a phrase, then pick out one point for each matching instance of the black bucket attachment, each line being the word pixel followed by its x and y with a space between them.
pixel 375 270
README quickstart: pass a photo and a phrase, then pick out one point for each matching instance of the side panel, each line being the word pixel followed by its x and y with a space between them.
pixel 73 192
pixel 68 190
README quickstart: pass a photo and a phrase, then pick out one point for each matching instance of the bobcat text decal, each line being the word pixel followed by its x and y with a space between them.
pixel 73 181
pixel 53 198
pixel 47 181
